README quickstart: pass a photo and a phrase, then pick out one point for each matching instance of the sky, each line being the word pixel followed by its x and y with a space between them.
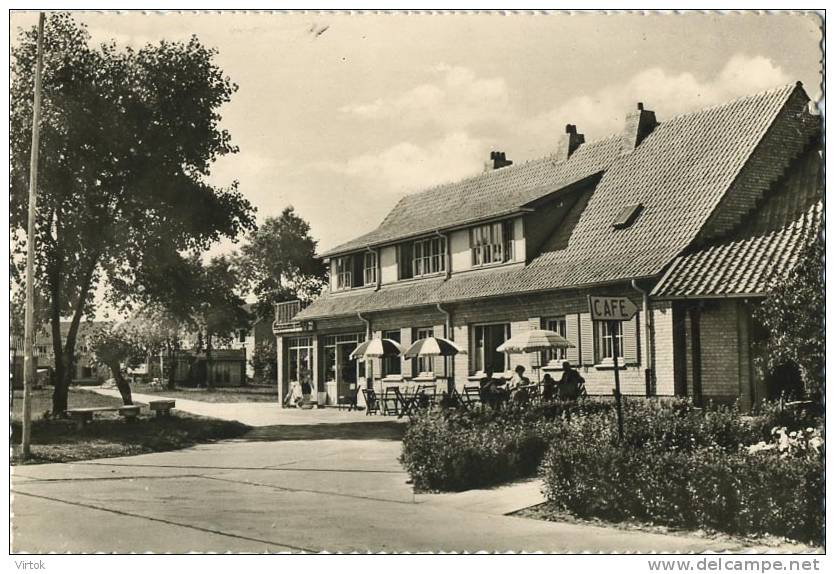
pixel 340 115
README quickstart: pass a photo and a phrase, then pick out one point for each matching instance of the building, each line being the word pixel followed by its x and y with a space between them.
pixel 249 339
pixel 86 370
pixel 692 218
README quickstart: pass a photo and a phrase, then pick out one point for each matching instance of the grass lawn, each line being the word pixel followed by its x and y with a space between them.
pixel 109 435
pixel 248 394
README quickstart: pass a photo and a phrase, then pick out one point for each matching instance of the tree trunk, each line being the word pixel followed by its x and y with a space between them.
pixel 62 381
pixel 121 383
pixel 208 360
pixel 61 387
pixel 172 367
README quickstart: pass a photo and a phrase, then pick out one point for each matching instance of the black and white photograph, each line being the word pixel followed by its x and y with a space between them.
pixel 404 281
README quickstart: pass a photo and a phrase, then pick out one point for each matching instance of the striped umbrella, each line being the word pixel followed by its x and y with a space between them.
pixel 433 347
pixel 376 348
pixel 533 341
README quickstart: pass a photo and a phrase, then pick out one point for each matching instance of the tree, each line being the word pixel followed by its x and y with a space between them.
pixel 793 315
pixel 116 347
pixel 128 138
pixel 221 310
pixel 159 332
pixel 263 360
pixel 280 261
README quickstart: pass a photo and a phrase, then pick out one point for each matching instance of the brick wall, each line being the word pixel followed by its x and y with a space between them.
pixel 724 352
pixel 662 318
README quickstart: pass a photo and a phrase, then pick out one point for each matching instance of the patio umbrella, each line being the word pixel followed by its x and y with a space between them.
pixel 435 347
pixel 377 348
pixel 534 341
pixel 432 347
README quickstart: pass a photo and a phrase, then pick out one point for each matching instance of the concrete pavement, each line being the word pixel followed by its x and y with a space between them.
pixel 325 481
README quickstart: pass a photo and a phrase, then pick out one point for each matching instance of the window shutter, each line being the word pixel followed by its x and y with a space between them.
pixel 439 363
pixel 631 337
pixel 572 333
pixel 406 341
pixel 587 339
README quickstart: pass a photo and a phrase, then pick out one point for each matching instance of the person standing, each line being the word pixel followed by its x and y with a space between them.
pixel 571 385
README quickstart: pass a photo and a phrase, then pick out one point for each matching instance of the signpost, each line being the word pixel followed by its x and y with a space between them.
pixel 613 310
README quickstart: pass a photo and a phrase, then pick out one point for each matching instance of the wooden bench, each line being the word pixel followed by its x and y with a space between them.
pixel 162 408
pixel 82 416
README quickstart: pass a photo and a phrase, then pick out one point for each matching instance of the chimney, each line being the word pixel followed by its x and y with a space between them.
pixel 639 124
pixel 498 160
pixel 570 142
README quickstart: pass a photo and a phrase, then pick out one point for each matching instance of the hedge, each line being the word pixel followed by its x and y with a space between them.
pixel 688 469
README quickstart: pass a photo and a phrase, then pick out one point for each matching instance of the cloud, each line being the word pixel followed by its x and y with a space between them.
pixel 666 93
pixel 457 100
pixel 406 166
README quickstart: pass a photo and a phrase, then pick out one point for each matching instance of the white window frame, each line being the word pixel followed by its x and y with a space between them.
pixel 491 243
pixel 604 346
pixel 558 325
pixel 343 268
pixel 370 268
pixel 428 256
pixel 295 346
pixel 422 364
pixel 478 354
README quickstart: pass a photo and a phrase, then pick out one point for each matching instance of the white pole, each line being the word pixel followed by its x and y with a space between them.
pixel 29 327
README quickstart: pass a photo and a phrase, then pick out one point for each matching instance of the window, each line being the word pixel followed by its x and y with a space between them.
pixel 422 364
pixel 356 270
pixel 242 335
pixel 485 340
pixel 428 256
pixel 391 365
pixel 404 261
pixel 343 272
pixel 556 324
pixel 491 243
pixel 605 339
pixel 336 350
pixel 299 359
pixel 370 267
pixel 627 216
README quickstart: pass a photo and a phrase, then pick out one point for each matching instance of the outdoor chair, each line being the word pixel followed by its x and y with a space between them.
pixel 430 394
pixel 408 402
pixel 371 403
pixel 472 396
pixel 390 404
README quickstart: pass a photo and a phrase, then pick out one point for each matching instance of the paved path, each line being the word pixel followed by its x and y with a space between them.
pixel 289 486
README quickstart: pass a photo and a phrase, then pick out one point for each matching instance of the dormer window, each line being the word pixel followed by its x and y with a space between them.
pixel 491 243
pixel 344 272
pixel 421 257
pixel 370 267
pixel 627 216
pixel 356 270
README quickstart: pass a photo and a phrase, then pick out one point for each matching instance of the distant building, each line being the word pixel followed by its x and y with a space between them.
pixel 248 339
pixel 86 371
pixel 694 219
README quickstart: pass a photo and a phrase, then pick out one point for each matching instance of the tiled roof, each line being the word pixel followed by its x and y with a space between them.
pixel 679 173
pixel 764 251
pixel 489 194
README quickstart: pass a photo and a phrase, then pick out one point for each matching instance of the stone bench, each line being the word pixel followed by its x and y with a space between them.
pixel 162 407
pixel 129 412
pixel 82 416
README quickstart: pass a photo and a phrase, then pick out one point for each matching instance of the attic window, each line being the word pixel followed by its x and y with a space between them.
pixel 627 216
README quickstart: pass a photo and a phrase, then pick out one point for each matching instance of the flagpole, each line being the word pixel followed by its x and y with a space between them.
pixel 29 328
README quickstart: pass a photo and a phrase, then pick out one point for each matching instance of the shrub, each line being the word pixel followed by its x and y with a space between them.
pixel 681 467
pixel 451 450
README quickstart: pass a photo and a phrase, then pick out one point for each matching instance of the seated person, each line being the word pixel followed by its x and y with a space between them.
pixel 571 386
pixel 549 388
pixel 517 384
pixel 491 388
